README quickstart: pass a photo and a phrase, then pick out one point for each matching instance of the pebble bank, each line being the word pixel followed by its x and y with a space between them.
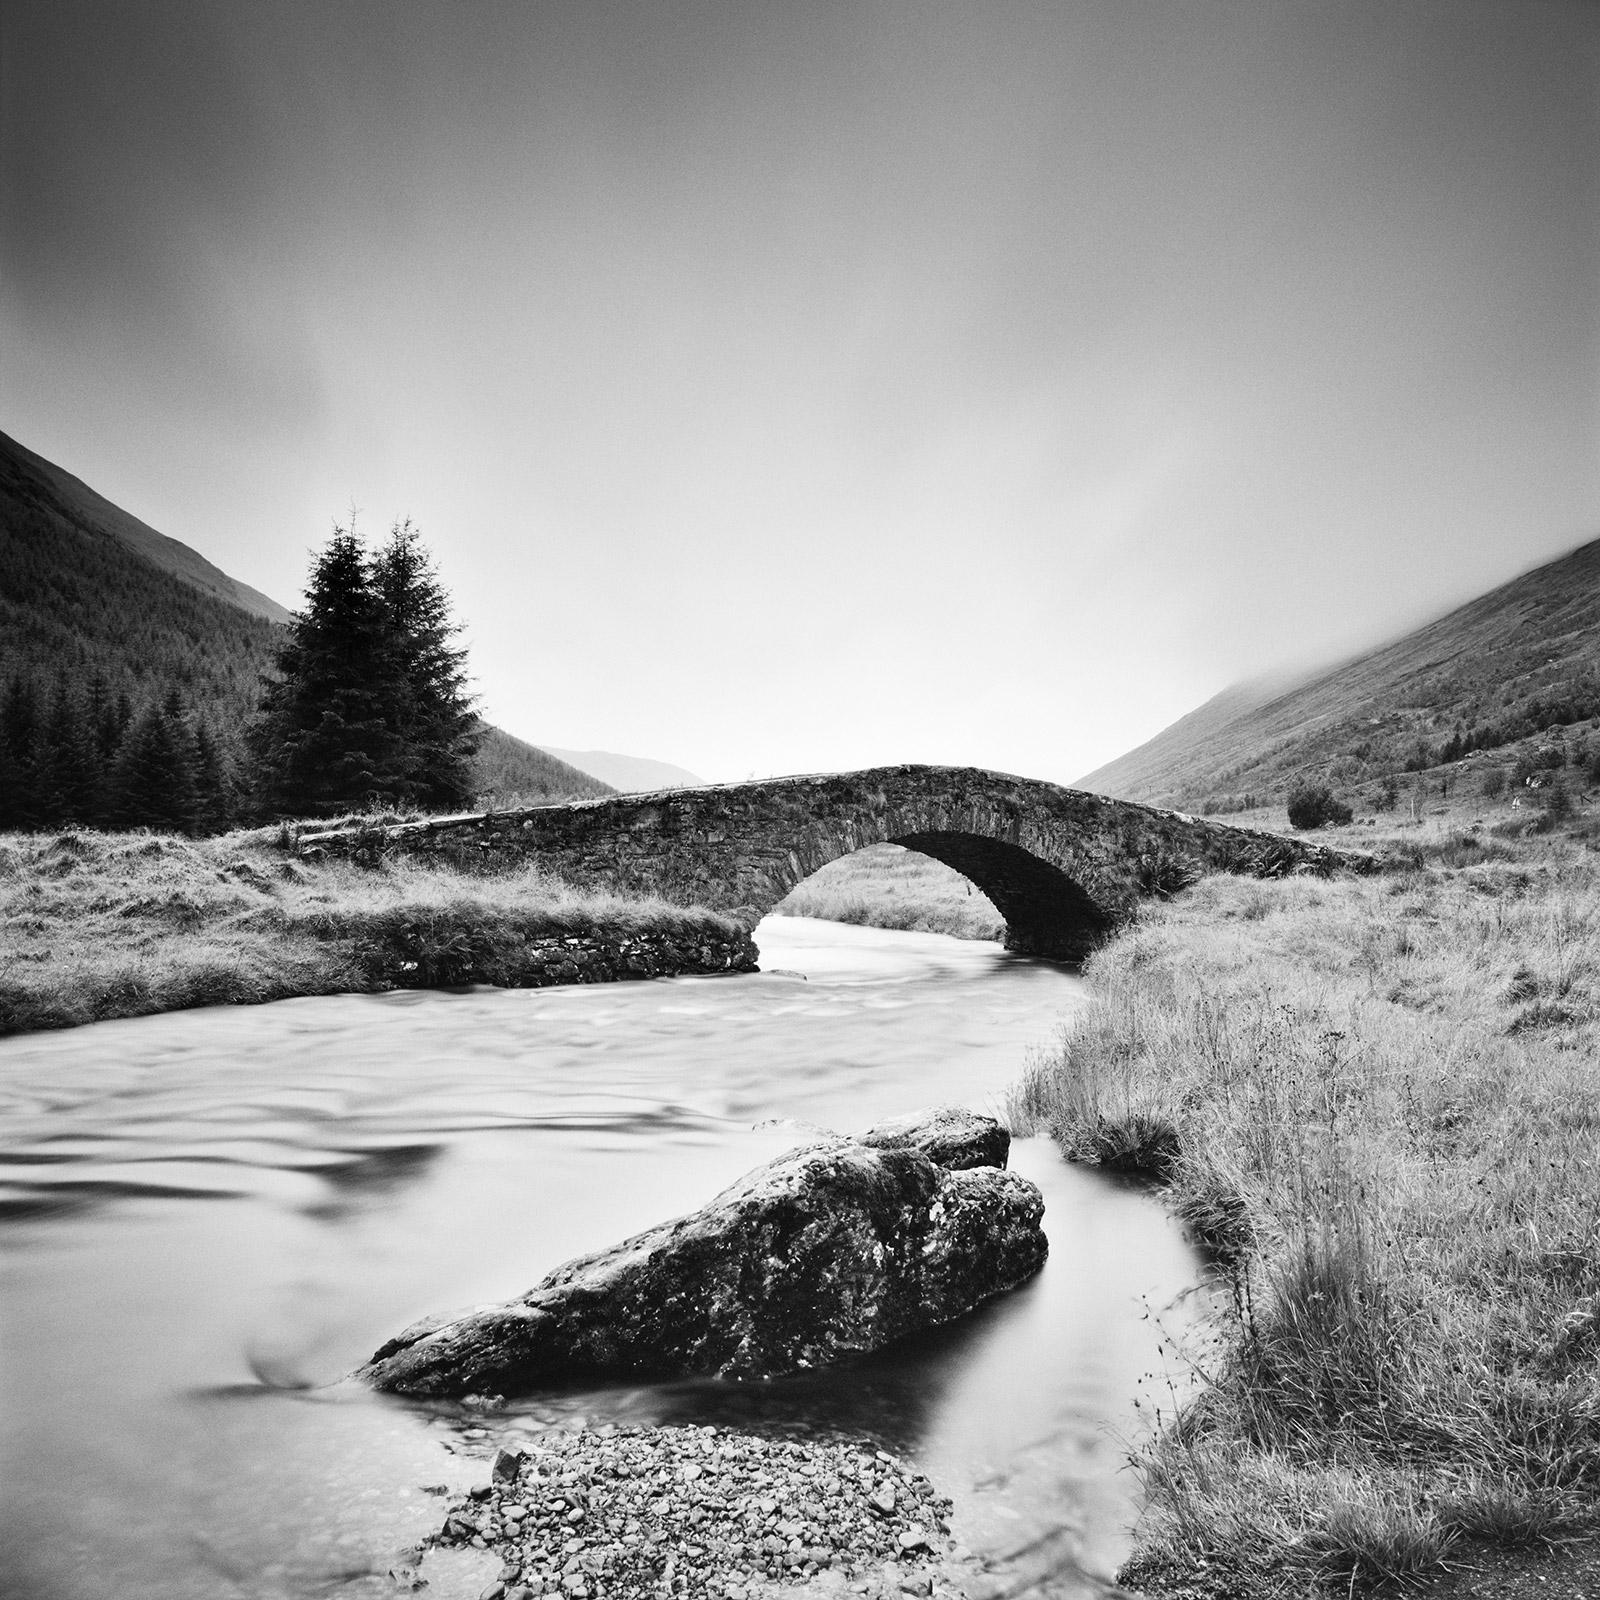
pixel 707 1513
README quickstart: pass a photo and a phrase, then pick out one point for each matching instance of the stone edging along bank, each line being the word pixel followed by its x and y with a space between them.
pixel 420 955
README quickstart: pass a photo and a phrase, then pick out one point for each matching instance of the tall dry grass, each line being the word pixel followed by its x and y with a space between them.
pixel 112 925
pixel 1378 1103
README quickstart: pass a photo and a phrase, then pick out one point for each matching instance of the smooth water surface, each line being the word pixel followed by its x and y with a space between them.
pixel 206 1218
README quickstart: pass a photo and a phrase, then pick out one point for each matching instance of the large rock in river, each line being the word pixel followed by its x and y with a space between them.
pixel 838 1247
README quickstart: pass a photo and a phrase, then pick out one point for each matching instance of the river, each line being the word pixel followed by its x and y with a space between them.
pixel 208 1218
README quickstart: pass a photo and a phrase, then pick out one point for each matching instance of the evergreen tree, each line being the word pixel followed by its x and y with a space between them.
pixel 98 710
pixel 324 739
pixel 215 790
pixel 69 770
pixel 115 728
pixel 369 704
pixel 152 784
pixel 437 730
pixel 20 748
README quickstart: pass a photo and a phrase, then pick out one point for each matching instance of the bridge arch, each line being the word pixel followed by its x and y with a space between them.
pixel 1045 912
pixel 1063 866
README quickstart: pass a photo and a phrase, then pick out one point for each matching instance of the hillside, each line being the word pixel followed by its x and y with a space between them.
pixel 91 592
pixel 28 480
pixel 84 595
pixel 511 772
pixel 1516 666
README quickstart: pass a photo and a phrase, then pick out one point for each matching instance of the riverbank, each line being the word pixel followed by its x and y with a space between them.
pixel 1375 1102
pixel 94 926
pixel 101 925
pixel 888 886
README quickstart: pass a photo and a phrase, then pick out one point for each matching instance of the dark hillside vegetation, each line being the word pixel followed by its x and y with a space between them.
pixel 1512 674
pixel 512 773
pixel 77 603
pixel 28 481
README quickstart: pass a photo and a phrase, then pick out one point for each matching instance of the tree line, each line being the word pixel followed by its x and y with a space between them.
pixel 366 703
pixel 72 755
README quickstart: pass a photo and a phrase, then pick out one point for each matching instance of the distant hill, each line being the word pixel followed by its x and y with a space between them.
pixel 1518 663
pixel 88 590
pixel 510 771
pixel 630 774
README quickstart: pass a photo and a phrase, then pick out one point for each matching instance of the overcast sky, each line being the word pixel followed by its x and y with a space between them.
pixel 786 387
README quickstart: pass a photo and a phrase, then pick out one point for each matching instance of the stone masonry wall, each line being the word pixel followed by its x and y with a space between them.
pixel 605 956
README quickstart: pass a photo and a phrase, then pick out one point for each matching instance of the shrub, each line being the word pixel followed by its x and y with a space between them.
pixel 1555 806
pixel 1493 784
pixel 1547 758
pixel 1313 806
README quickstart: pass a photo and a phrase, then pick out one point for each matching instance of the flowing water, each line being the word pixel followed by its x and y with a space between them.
pixel 206 1219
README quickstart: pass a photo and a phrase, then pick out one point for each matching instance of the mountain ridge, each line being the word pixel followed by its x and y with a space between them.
pixel 25 474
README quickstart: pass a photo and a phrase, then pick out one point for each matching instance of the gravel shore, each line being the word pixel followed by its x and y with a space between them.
pixel 621 1513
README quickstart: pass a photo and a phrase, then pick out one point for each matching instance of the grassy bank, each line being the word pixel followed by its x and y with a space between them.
pixel 1376 1100
pixel 885 886
pixel 116 925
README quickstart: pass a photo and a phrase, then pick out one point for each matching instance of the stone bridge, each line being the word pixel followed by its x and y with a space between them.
pixel 1063 866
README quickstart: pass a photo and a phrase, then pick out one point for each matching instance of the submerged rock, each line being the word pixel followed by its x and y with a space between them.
pixel 835 1248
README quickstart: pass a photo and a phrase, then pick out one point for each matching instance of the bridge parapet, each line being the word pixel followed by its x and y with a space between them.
pixel 1063 866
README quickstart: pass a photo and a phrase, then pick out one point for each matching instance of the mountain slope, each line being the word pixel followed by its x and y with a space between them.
pixel 630 774
pixel 78 599
pixel 1520 660
pixel 29 481
pixel 87 590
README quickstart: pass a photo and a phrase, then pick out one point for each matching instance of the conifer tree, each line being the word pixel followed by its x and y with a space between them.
pixel 436 729
pixel 215 792
pixel 325 737
pixel 20 749
pixel 113 726
pixel 152 783
pixel 69 768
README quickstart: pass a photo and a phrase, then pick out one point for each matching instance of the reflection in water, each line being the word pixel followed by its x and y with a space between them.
pixel 206 1217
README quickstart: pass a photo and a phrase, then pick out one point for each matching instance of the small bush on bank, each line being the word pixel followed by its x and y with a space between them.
pixel 1312 806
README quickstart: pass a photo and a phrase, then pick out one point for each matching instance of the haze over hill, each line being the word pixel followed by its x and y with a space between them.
pixel 91 590
pixel 627 773
pixel 1521 660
